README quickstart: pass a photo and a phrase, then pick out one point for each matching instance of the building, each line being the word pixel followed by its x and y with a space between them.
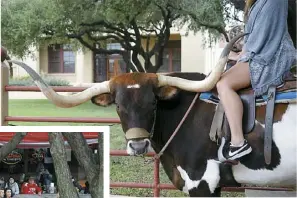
pixel 183 53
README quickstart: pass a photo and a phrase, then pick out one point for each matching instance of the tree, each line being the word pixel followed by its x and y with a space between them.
pixel 66 187
pixel 142 27
pixel 90 162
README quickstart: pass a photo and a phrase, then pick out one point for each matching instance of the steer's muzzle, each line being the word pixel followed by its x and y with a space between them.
pixel 138 147
pixel 138 141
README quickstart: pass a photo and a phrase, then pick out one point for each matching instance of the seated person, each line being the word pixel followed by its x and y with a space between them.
pixel 11 184
pixel 77 185
pixel 8 193
pixel 2 182
pixel 30 187
pixel 44 177
pixel 1 192
pixel 87 189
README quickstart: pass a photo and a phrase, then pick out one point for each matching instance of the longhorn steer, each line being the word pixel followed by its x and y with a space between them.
pixel 150 107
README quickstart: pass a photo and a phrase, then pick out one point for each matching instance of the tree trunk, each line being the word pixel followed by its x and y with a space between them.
pixel 101 162
pixel 127 59
pixel 11 145
pixel 87 160
pixel 64 178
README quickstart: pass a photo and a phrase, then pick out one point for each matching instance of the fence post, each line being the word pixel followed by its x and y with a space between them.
pixel 156 178
pixel 4 80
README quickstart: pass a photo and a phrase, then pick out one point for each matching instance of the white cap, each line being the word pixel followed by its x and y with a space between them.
pixel 52 184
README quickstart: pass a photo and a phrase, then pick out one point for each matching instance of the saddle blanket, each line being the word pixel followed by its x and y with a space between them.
pixel 281 97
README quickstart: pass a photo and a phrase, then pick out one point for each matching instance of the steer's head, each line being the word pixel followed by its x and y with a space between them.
pixel 136 96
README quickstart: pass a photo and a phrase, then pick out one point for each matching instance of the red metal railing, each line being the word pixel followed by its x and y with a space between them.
pixel 61 119
pixel 156 185
pixel 55 119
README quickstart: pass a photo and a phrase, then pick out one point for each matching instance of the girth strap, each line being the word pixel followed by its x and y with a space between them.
pixel 269 124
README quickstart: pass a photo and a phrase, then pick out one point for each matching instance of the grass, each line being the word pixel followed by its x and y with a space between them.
pixel 122 169
pixel 45 108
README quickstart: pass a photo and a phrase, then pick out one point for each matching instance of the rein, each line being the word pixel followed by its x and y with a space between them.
pixel 157 156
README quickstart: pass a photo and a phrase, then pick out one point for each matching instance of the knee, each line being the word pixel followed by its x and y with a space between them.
pixel 222 85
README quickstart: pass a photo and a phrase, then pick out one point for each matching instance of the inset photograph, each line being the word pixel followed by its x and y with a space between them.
pixel 51 164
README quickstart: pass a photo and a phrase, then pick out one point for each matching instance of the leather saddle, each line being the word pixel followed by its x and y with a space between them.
pixel 220 126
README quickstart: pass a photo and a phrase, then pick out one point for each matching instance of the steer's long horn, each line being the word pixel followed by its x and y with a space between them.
pixel 209 82
pixel 60 100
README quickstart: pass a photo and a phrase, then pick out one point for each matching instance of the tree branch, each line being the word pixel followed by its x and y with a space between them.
pixel 137 33
pixel 136 61
pixel 93 48
pixel 103 23
pixel 129 65
pixel 102 38
pixel 11 145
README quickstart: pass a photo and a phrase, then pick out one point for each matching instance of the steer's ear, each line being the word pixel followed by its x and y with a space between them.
pixel 103 99
pixel 167 92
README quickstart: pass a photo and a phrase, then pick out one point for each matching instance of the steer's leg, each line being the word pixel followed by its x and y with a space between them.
pixel 201 191
pixel 217 192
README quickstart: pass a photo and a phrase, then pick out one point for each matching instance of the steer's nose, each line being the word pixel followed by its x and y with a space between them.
pixel 140 147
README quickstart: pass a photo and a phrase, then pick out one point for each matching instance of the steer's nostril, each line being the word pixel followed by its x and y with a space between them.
pixel 147 144
pixel 130 145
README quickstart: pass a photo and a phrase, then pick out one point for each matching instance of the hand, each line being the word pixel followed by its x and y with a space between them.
pixel 39 193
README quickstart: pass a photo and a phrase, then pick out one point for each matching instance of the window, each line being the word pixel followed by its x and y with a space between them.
pixel 61 59
pixel 171 57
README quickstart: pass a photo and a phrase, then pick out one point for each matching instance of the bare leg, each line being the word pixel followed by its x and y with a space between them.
pixel 236 78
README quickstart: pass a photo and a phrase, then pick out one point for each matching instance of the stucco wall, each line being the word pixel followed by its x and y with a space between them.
pixel 31 60
pixel 193 53
pixel 43 60
pixel 84 66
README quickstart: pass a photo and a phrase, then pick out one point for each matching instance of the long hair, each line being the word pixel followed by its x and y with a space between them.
pixel 248 5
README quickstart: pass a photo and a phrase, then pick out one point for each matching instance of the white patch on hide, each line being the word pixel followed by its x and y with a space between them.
pixel 211 176
pixel 284 136
pixel 136 86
